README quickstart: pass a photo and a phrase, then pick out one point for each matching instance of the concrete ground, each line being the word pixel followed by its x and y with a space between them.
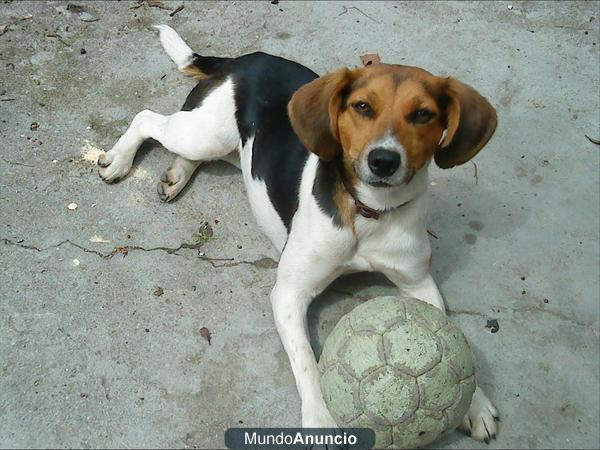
pixel 93 354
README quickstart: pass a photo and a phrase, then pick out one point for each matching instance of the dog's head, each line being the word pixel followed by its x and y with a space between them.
pixel 387 121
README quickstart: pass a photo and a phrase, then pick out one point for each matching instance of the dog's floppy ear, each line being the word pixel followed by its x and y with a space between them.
pixel 470 123
pixel 313 112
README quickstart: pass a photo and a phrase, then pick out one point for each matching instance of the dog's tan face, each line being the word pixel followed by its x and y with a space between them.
pixel 390 124
pixel 388 121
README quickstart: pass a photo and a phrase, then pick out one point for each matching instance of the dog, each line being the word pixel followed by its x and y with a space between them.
pixel 335 168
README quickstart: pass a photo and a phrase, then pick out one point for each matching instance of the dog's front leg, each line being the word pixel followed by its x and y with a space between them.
pixel 424 288
pixel 289 310
pixel 305 269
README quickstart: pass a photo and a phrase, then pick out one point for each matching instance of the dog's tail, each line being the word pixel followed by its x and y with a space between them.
pixel 188 62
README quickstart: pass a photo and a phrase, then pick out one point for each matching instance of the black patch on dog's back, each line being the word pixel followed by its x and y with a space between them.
pixel 264 85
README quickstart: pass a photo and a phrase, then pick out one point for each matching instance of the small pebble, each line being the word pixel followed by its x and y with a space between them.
pixel 205 333
pixel 83 51
pixel 87 17
pixel 510 7
pixel 76 262
pixel 72 206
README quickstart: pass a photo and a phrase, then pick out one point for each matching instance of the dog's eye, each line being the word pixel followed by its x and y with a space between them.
pixel 363 108
pixel 422 116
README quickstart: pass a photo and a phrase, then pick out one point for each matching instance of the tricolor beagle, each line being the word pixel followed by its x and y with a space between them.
pixel 336 173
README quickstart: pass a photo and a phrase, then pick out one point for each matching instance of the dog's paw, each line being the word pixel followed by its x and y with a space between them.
pixel 481 421
pixel 113 168
pixel 172 181
pixel 317 417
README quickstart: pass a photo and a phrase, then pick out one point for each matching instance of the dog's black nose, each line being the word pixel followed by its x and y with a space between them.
pixel 383 163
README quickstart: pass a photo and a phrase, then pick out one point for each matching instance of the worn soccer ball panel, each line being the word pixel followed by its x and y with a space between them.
pixel 457 411
pixel 366 318
pixel 335 340
pixel 438 388
pixel 434 319
pixel 454 342
pixel 362 354
pixel 338 387
pixel 389 396
pixel 411 347
pixel 424 428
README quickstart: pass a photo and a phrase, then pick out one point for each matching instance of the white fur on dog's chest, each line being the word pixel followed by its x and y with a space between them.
pixel 397 240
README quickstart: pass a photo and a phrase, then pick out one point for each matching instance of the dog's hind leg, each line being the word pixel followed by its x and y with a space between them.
pixel 179 173
pixel 205 133
pixel 116 163
pixel 174 179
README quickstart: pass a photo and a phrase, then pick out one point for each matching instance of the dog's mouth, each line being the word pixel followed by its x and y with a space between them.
pixel 380 184
pixel 374 181
pixel 404 178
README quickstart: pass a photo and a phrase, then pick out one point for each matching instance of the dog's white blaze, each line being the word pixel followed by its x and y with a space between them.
pixel 264 212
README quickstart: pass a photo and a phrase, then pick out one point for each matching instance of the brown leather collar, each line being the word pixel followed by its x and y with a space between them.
pixel 361 208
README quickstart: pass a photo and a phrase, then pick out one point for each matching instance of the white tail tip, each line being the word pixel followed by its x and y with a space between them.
pixel 176 48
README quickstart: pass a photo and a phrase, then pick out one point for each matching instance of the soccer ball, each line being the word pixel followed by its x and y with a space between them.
pixel 397 366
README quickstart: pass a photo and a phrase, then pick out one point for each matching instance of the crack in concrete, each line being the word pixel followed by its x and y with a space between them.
pixel 269 263
pixel 263 263
pixel 464 312
pixel 105 387
pixel 121 249
pixel 16 163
